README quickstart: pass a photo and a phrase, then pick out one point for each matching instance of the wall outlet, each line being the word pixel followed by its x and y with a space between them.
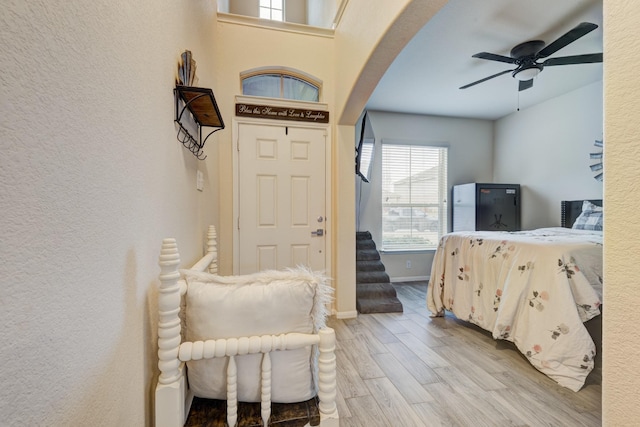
pixel 408 263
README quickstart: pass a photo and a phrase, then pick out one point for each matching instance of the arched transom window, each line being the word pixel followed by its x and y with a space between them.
pixel 281 83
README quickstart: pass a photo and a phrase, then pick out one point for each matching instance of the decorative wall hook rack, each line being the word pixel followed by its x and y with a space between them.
pixel 202 105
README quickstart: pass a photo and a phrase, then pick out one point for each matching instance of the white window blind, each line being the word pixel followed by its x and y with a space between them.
pixel 414 196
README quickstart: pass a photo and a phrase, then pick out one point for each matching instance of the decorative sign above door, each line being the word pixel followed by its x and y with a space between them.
pixel 281 113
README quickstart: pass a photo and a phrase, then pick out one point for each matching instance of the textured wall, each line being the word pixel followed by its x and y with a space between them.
pixel 91 179
pixel 621 336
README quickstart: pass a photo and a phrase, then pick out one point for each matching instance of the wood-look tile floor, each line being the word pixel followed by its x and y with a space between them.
pixel 407 369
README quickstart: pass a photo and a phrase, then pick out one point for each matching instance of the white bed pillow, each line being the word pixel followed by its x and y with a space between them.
pixel 270 302
pixel 590 218
pixel 588 206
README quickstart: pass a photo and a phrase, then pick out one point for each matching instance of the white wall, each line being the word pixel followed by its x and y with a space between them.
pixel 470 160
pixel 91 179
pixel 545 149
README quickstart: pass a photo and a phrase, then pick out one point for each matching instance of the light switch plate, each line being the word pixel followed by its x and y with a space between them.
pixel 199 181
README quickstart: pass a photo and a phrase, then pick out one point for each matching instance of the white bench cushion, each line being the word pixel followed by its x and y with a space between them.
pixel 265 303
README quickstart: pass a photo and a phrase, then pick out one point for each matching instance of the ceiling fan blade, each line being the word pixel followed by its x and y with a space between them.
pixel 576 59
pixel 486 78
pixel 572 35
pixel 525 84
pixel 494 57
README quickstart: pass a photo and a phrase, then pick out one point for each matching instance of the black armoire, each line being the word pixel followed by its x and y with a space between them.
pixel 486 207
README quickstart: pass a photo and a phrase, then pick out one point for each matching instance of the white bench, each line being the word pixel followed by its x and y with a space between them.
pixel 173 398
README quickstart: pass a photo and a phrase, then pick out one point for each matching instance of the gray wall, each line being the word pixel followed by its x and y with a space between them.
pixel 470 159
pixel 546 149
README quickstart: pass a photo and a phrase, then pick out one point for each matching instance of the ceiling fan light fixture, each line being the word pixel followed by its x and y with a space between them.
pixel 527 73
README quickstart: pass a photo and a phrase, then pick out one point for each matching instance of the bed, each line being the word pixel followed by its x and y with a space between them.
pixel 252 338
pixel 534 288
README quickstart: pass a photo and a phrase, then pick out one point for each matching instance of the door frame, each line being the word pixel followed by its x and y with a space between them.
pixel 237 121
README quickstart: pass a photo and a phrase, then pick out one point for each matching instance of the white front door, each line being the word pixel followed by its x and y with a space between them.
pixel 281 197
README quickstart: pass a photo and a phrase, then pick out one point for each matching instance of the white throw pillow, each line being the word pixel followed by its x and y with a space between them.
pixel 264 303
pixel 590 218
pixel 588 206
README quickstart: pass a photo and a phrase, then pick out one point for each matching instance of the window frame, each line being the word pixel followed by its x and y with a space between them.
pixel 282 72
pixel 271 9
pixel 441 206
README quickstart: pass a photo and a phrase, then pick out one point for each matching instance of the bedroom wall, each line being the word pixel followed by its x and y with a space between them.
pixel 545 149
pixel 91 179
pixel 470 159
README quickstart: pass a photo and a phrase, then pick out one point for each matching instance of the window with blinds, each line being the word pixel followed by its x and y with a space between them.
pixel 414 196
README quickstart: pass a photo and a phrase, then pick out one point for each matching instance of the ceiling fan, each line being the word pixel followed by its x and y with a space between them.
pixel 526 55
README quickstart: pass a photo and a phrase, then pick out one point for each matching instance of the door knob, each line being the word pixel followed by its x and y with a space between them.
pixel 318 232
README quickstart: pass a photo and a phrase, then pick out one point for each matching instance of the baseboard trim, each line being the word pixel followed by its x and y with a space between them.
pixel 409 279
pixel 346 314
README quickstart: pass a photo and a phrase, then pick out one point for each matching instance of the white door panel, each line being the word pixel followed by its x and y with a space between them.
pixel 281 197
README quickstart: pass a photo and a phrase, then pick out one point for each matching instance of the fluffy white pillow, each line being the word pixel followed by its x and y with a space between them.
pixel 588 206
pixel 590 218
pixel 269 302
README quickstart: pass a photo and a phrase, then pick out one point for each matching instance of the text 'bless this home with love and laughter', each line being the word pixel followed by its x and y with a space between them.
pixel 282 113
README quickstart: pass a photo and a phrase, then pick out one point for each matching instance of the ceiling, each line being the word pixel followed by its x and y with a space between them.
pixel 426 76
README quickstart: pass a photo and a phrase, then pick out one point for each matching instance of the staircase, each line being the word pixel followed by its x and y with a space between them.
pixel 374 291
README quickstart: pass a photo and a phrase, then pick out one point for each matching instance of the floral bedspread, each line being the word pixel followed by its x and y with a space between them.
pixel 534 288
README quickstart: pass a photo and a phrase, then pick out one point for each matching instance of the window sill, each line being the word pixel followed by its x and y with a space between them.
pixel 290 27
pixel 406 251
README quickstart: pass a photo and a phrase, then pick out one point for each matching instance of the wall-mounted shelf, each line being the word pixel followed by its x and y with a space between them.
pixel 202 105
